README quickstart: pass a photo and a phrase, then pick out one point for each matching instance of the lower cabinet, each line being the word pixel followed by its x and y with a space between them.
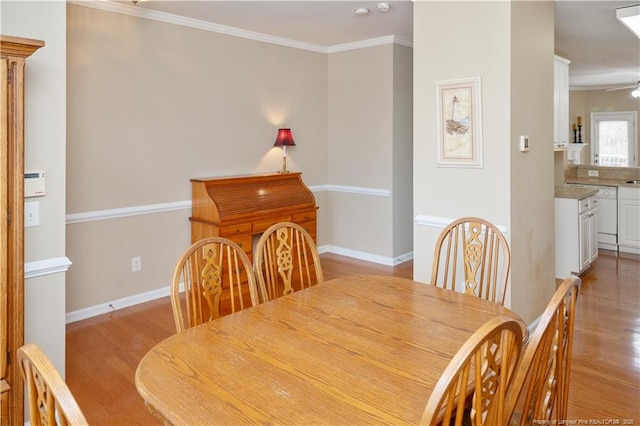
pixel 576 223
pixel 629 220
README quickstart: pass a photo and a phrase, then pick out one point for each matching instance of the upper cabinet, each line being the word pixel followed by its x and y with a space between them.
pixel 560 102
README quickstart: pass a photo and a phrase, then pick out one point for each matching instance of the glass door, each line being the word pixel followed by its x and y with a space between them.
pixel 614 137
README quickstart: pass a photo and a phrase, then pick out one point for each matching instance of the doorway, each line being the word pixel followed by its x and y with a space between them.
pixel 614 137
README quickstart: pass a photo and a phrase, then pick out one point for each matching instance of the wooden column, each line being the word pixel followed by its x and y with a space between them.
pixel 14 52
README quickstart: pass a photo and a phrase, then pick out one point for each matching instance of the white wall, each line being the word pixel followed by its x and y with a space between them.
pixel 45 140
pixel 153 104
pixel 532 173
pixel 477 44
pixel 402 163
pixel 369 149
pixel 508 45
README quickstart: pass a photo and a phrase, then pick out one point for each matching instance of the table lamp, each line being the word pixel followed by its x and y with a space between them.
pixel 284 139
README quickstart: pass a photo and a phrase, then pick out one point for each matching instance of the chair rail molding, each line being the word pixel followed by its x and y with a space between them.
pixel 127 211
pixel 39 268
pixel 107 214
pixel 441 222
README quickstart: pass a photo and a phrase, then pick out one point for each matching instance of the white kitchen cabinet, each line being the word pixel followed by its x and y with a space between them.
pixel 560 102
pixel 629 219
pixel 576 223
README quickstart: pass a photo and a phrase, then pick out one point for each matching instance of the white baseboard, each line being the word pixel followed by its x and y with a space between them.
pixel 531 327
pixel 114 305
pixel 382 260
pixel 148 296
pixel 627 249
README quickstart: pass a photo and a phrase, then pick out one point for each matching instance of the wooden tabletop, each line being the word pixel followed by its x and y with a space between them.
pixel 354 350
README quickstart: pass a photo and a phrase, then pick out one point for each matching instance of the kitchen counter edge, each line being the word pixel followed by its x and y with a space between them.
pixel 574 192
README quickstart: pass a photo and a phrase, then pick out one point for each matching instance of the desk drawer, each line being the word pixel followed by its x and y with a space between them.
pixel 261 226
pixel 235 230
pixel 304 217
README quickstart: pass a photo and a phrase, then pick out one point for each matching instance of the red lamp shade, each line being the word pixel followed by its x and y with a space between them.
pixel 284 138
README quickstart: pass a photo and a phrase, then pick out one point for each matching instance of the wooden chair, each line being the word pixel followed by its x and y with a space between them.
pixel 472 252
pixel 472 389
pixel 286 260
pixel 50 400
pixel 540 389
pixel 215 273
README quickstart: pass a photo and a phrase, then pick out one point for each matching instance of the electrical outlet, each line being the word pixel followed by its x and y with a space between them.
pixel 136 264
pixel 593 173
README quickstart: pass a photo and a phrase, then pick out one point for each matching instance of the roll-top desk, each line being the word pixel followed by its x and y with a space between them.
pixel 241 207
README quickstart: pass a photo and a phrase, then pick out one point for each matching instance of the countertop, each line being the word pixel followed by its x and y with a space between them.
pixel 601 182
pixel 574 192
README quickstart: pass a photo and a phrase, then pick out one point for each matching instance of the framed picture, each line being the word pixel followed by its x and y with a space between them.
pixel 459 123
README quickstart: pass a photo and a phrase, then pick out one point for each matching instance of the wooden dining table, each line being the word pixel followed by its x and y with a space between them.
pixel 353 350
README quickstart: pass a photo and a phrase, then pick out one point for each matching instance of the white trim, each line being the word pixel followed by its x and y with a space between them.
pixel 358 190
pixel 39 268
pixel 370 43
pixel 532 327
pixel 127 211
pixel 382 260
pixel 185 205
pixel 125 302
pixel 631 117
pixel 131 10
pixel 442 222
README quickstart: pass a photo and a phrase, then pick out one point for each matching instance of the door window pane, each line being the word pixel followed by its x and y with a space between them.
pixel 613 143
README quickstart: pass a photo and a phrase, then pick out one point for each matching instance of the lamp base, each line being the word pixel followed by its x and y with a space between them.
pixel 284 166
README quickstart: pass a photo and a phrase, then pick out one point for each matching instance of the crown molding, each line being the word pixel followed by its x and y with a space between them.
pixel 131 10
pixel 370 43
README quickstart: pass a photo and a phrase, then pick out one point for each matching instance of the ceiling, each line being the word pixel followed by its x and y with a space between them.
pixel 603 52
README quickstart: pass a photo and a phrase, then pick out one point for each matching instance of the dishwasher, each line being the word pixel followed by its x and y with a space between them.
pixel 607 197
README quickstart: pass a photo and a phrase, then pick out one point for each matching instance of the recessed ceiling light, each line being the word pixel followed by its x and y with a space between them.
pixel 361 11
pixel 383 7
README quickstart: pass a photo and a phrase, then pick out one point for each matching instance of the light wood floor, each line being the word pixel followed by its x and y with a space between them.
pixel 103 352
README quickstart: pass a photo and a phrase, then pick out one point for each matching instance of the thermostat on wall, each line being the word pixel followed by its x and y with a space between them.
pixel 524 143
pixel 34 183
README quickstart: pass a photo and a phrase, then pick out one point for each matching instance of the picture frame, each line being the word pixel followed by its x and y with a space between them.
pixel 459 123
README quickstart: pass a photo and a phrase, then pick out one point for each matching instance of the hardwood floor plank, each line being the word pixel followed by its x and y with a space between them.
pixel 605 379
pixel 103 352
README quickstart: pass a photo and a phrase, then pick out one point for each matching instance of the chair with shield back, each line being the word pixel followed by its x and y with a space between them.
pixel 540 391
pixel 472 256
pixel 473 387
pixel 212 278
pixel 49 398
pixel 286 260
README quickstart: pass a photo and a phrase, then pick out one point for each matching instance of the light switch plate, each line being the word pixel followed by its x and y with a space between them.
pixel 31 214
pixel 525 143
